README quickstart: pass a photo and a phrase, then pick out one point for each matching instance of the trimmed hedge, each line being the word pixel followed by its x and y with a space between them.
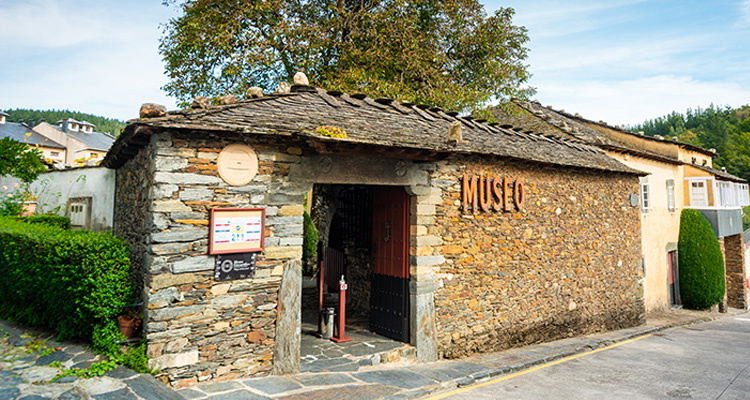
pixel 49 219
pixel 74 282
pixel 701 264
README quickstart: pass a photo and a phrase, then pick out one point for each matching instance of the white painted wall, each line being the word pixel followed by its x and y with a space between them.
pixel 53 190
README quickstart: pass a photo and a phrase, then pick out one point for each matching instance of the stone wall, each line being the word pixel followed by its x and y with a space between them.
pixel 567 264
pixel 734 261
pixel 132 218
pixel 199 329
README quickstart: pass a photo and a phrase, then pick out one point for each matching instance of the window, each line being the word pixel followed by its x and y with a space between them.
pixel 670 195
pixel 645 194
pixel 54 153
pixel 94 155
pixel 698 194
pixel 77 214
pixel 744 195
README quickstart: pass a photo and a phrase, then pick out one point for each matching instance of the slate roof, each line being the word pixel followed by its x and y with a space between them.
pixel 719 173
pixel 18 132
pixel 382 123
pixel 557 122
pixel 92 140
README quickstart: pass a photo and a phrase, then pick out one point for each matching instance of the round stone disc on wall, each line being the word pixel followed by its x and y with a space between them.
pixel 237 164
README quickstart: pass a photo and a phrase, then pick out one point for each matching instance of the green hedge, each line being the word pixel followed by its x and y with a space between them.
pixel 310 239
pixel 48 219
pixel 74 282
pixel 701 264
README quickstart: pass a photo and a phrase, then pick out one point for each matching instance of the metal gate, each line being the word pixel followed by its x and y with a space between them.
pixel 389 297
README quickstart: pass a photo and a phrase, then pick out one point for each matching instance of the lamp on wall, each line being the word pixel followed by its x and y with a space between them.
pixel 634 199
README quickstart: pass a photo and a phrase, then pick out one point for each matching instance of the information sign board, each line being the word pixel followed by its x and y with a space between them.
pixel 235 266
pixel 236 230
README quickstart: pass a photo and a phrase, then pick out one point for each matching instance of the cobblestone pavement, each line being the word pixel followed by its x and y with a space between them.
pixel 30 358
pixel 400 381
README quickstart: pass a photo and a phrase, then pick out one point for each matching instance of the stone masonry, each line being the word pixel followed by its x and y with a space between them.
pixel 734 261
pixel 566 264
pixel 199 329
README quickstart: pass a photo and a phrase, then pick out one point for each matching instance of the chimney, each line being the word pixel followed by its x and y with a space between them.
pixel 65 124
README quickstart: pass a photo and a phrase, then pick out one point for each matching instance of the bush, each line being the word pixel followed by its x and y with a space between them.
pixel 701 265
pixel 48 219
pixel 74 282
pixel 310 240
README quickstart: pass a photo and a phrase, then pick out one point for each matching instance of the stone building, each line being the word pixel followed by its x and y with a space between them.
pixel 680 175
pixel 473 237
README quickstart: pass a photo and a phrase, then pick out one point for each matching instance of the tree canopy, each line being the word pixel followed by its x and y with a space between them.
pixel 725 129
pixel 447 53
pixel 19 160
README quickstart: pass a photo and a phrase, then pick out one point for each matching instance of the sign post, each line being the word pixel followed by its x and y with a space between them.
pixel 342 313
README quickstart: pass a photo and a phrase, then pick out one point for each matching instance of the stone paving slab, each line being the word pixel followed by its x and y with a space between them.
pixel 26 368
pixel 272 385
pixel 398 381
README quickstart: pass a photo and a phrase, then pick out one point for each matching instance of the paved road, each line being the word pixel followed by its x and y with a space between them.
pixel 706 361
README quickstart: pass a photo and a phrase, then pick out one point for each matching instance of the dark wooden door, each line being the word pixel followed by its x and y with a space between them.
pixel 673 279
pixel 389 296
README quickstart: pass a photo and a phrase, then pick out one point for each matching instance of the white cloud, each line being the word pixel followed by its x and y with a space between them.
pixel 744 17
pixel 633 101
pixel 106 63
pixel 47 23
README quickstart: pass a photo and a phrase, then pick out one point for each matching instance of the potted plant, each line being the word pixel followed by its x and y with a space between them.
pixel 129 323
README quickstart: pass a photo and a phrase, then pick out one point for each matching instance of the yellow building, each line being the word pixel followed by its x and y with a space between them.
pixel 680 176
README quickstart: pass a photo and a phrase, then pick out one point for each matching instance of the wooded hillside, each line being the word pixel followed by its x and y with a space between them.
pixel 725 129
pixel 34 117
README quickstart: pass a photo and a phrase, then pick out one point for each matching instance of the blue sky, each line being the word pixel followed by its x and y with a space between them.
pixel 620 61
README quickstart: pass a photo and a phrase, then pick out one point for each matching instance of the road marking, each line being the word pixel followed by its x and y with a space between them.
pixel 742 319
pixel 534 369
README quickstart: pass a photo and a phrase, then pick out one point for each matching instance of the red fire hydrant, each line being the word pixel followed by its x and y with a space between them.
pixel 341 337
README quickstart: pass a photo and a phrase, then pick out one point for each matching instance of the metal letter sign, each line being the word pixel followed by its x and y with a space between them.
pixel 235 266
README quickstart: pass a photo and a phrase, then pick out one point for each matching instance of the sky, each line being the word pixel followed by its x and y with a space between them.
pixel 621 61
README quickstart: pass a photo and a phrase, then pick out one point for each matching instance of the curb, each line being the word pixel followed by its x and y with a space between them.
pixel 486 375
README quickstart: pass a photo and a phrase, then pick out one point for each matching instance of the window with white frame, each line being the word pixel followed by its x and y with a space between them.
pixel 645 194
pixel 698 193
pixel 670 196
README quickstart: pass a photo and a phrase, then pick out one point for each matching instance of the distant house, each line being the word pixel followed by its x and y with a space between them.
pixel 84 145
pixel 51 149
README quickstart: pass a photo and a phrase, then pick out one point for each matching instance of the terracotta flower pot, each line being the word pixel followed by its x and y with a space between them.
pixel 128 325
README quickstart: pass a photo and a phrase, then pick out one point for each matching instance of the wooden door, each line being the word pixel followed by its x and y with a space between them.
pixel 389 296
pixel 673 279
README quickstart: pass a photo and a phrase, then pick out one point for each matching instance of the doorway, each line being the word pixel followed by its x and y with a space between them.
pixel 673 279
pixel 363 233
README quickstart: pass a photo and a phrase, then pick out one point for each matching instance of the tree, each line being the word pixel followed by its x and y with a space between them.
pixel 701 262
pixel 445 53
pixel 737 156
pixel 19 160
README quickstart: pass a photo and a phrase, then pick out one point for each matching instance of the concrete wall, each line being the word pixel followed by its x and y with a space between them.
pixel 660 228
pixel 55 190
